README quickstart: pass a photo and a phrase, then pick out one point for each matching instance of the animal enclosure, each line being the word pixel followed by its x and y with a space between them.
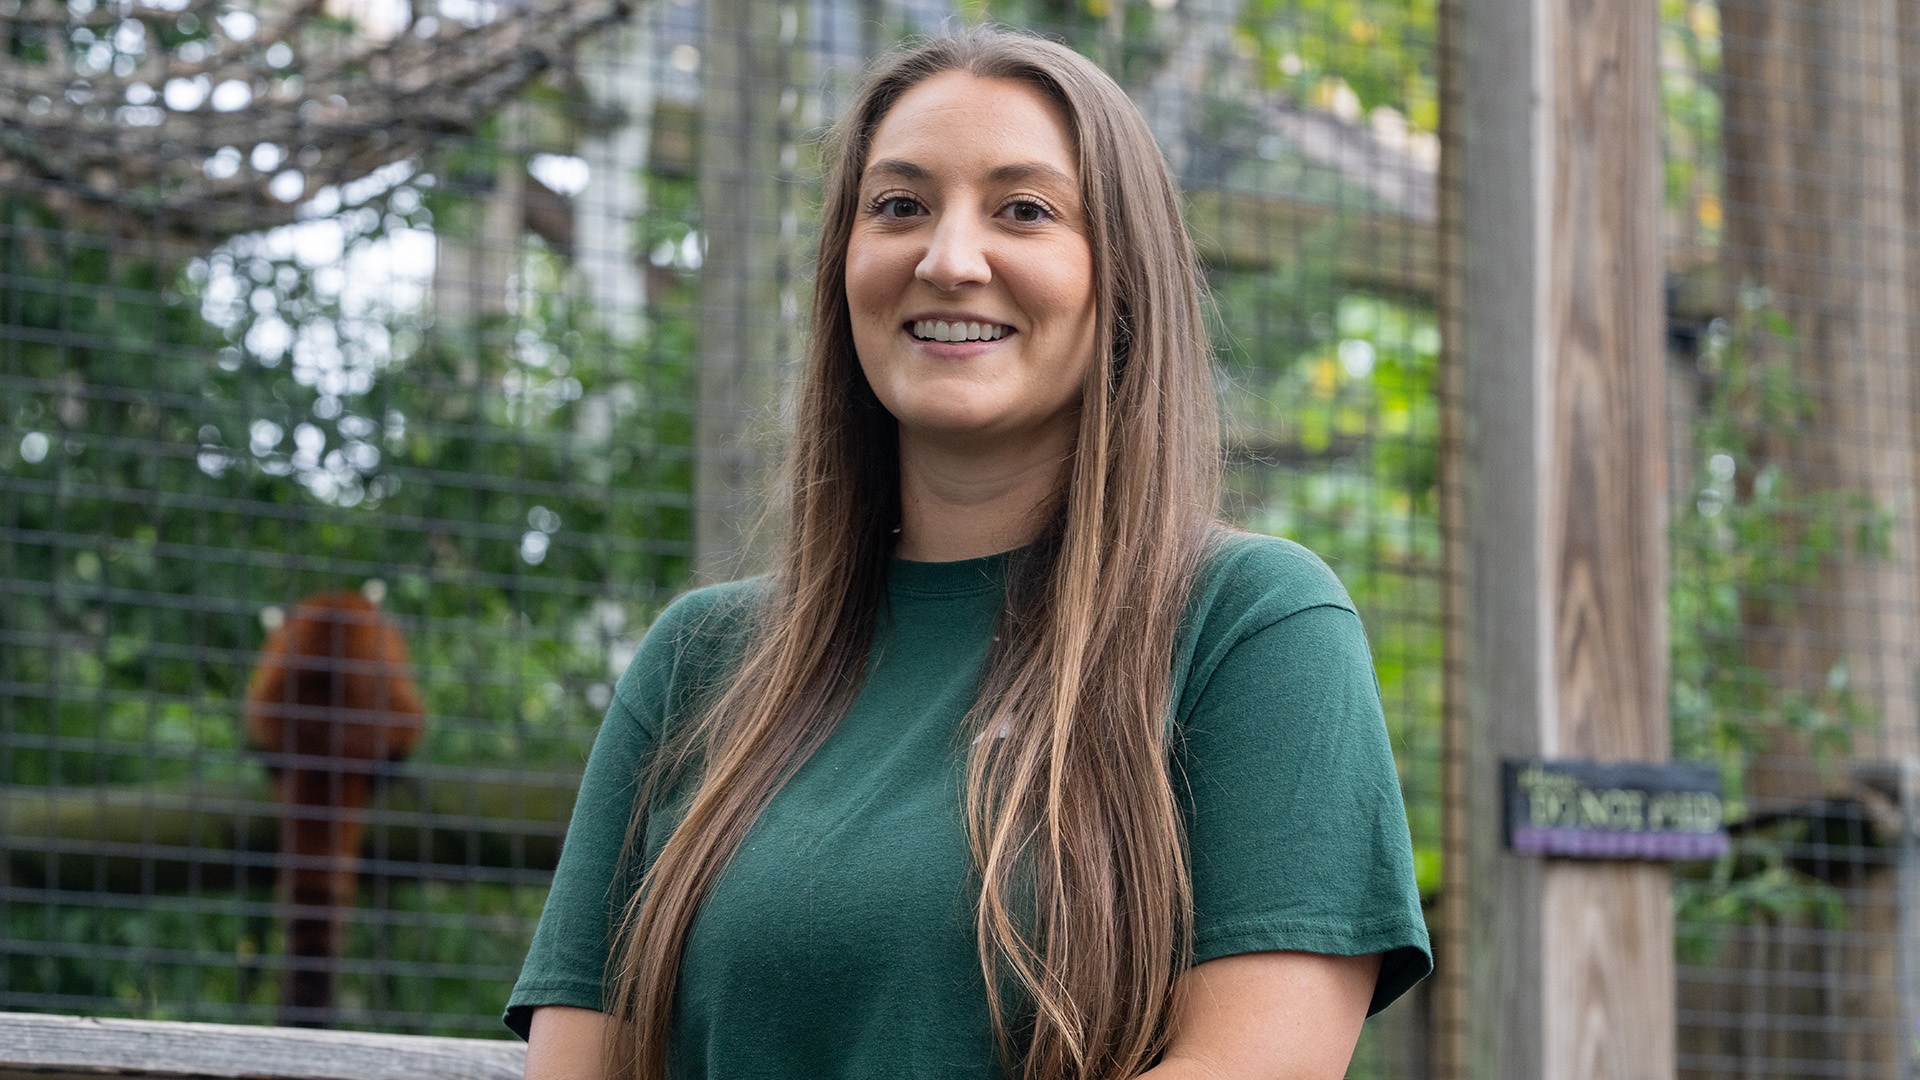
pixel 476 318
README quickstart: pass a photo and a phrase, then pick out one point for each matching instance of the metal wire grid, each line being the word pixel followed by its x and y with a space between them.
pixel 1311 180
pixel 502 436
pixel 1794 602
pixel 199 435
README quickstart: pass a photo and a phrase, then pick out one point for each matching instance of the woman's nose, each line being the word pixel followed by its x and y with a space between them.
pixel 956 256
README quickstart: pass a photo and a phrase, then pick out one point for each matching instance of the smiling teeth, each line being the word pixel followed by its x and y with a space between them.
pixel 938 330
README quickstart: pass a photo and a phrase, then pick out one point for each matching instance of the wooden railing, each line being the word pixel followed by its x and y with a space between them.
pixel 38 1047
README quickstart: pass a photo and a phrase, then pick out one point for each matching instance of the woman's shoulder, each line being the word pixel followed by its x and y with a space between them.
pixel 1247 583
pixel 1247 587
pixel 694 640
pixel 711 610
pixel 1248 576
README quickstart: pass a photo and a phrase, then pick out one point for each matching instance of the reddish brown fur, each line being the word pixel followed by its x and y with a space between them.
pixel 331 699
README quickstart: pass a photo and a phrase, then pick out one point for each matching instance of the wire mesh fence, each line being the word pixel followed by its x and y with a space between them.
pixel 383 382
pixel 465 325
pixel 1791 136
pixel 477 316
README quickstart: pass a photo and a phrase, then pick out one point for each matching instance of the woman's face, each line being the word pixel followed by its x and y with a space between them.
pixel 969 276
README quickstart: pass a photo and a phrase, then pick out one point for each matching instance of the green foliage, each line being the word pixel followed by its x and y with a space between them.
pixel 1690 112
pixel 1756 882
pixel 442 954
pixel 185 442
pixel 236 437
pixel 1754 539
pixel 1350 57
pixel 246 427
pixel 1333 421
pixel 1383 55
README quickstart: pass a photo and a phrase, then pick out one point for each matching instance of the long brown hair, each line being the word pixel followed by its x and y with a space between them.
pixel 1076 834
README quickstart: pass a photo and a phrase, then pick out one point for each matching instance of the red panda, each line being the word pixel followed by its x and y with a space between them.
pixel 331 700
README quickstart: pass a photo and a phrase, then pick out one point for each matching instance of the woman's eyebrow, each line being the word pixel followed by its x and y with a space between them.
pixel 1031 171
pixel 1011 173
pixel 901 170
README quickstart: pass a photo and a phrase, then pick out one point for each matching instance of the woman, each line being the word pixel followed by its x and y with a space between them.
pixel 1017 764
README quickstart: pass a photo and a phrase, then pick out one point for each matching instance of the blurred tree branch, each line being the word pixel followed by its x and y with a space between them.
pixel 211 120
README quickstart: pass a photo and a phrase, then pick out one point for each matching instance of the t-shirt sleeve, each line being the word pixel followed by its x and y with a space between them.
pixel 1297 829
pixel 566 963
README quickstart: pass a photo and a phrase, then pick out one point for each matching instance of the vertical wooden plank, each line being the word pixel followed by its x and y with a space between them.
pixel 1816 204
pixel 1565 969
pixel 1908 60
pixel 1450 978
pixel 617 66
pixel 1496 354
pixel 1608 945
pixel 1812 135
pixel 744 74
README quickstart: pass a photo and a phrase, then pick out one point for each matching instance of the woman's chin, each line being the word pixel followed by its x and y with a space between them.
pixel 990 438
pixel 952 430
pixel 943 412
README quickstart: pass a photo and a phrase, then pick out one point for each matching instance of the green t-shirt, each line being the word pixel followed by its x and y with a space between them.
pixel 839 941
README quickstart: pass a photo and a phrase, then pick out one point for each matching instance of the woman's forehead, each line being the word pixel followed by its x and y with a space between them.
pixel 957 119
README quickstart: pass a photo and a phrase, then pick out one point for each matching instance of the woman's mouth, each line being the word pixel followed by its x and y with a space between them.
pixel 943 330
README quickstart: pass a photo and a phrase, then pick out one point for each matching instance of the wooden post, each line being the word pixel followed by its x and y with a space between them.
pixel 745 298
pixel 617 66
pixel 1812 124
pixel 472 266
pixel 1908 62
pixel 1559 970
pixel 1814 224
pixel 1449 927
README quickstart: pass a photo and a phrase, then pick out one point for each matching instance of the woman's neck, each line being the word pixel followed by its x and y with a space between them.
pixel 964 503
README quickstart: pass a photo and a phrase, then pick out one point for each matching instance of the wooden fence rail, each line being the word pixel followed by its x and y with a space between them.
pixel 164 839
pixel 38 1047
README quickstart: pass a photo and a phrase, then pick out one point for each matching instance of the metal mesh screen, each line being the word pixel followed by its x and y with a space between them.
pixel 459 381
pixel 1309 157
pixel 1310 167
pixel 482 312
pixel 1791 145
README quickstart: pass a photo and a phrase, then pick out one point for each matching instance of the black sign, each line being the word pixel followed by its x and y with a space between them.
pixel 1584 810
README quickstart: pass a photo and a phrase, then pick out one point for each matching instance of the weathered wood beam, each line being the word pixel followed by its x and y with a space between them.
pixel 1908 14
pixel 746 295
pixel 1812 123
pixel 36 1047
pixel 1814 223
pixel 146 840
pixel 1565 969
pixel 1379 251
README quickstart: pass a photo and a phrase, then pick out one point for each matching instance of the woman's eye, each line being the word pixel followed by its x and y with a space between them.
pixel 898 206
pixel 1027 213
